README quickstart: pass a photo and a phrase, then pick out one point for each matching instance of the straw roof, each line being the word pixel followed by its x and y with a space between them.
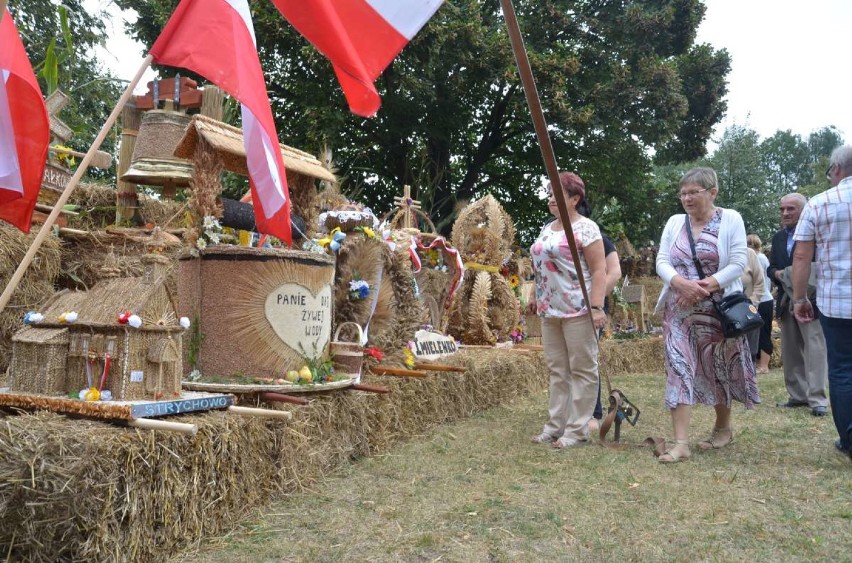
pixel 102 304
pixel 227 141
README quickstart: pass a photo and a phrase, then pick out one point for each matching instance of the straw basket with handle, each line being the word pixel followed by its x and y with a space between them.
pixel 347 356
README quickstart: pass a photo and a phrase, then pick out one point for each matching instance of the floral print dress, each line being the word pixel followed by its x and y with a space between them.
pixel 702 366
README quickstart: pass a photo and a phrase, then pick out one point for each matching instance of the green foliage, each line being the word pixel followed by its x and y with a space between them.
pixel 616 80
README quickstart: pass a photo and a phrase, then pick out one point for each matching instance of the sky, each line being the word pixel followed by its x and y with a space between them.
pixel 789 64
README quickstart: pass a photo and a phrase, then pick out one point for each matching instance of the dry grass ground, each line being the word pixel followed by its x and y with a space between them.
pixel 478 490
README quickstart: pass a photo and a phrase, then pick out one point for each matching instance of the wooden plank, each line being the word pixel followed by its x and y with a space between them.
pixel 181 406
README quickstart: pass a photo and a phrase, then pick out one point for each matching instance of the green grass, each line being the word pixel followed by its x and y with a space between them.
pixel 478 490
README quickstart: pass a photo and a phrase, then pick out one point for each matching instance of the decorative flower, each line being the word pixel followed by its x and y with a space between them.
pixel 33 317
pixel 374 352
pixel 408 358
pixel 358 289
pixel 90 394
pixel 106 395
pixel 389 238
pixel 134 321
pixel 68 317
pixel 123 317
pixel 184 322
pixel 65 158
pixel 200 244
pixel 514 281
pixel 368 232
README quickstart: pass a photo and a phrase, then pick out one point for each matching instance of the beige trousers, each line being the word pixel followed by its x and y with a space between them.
pixel 805 360
pixel 571 355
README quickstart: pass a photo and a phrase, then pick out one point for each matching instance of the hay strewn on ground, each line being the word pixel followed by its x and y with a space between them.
pixel 72 489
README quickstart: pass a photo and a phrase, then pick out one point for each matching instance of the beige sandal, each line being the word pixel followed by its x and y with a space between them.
pixel 713 443
pixel 543 438
pixel 675 454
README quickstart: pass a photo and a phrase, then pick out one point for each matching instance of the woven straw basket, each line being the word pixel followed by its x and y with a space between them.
pixel 347 356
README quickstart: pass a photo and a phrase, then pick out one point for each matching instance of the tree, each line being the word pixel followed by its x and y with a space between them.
pixel 785 158
pixel 616 80
pixel 92 91
pixel 743 181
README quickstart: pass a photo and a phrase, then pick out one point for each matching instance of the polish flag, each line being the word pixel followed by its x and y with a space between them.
pixel 215 38
pixel 359 37
pixel 24 130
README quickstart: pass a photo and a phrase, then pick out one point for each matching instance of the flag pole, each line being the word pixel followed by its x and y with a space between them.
pixel 72 183
pixel 534 103
pixel 2 9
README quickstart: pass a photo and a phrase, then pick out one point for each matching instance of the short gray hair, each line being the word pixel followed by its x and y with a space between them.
pixel 797 197
pixel 842 158
pixel 701 176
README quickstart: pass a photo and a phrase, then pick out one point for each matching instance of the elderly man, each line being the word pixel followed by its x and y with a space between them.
pixel 825 227
pixel 802 344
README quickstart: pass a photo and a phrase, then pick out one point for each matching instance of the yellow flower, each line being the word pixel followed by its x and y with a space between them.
pixel 408 358
pixel 514 281
pixel 369 232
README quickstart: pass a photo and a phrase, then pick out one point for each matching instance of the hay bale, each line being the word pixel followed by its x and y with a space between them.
pixel 80 490
pixel 638 355
pixel 35 288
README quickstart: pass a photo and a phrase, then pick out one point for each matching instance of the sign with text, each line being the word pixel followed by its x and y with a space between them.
pixel 181 406
pixel 430 345
pixel 301 319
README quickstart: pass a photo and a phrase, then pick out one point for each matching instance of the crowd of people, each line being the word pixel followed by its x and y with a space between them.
pixel 704 255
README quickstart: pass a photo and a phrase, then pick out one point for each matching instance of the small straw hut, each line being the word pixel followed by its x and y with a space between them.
pixel 53 357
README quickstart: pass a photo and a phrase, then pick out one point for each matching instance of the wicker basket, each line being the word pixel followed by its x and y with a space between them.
pixel 348 356
pixel 347 217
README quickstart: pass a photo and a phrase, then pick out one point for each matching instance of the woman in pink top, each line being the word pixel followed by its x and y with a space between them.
pixel 569 339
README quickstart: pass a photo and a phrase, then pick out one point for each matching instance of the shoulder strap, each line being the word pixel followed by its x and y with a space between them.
pixel 695 259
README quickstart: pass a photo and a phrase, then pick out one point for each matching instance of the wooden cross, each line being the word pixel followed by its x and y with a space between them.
pixel 407 206
pixel 55 102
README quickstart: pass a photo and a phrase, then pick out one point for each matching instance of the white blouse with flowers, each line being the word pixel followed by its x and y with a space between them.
pixel 557 287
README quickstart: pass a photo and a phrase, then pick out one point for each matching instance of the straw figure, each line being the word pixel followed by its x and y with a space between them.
pixel 485 310
pixel 375 287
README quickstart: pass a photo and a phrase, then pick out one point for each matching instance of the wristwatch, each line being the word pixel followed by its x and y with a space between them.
pixel 801 301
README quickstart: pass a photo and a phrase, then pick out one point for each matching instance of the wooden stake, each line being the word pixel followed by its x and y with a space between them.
pixel 397 372
pixel 72 183
pixel 2 9
pixel 439 367
pixel 154 424
pixel 272 397
pixel 268 413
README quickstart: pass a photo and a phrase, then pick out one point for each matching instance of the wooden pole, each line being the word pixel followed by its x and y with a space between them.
pixel 534 103
pixel 154 424
pixel 397 372
pixel 2 9
pixel 72 183
pixel 368 388
pixel 267 413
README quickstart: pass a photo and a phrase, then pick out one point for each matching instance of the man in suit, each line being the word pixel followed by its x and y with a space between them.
pixel 802 344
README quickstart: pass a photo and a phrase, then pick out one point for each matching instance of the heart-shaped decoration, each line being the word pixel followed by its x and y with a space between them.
pixel 301 319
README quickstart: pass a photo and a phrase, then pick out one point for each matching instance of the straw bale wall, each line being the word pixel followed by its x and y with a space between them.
pixel 88 491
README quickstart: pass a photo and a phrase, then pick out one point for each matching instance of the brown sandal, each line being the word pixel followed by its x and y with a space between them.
pixel 674 454
pixel 713 443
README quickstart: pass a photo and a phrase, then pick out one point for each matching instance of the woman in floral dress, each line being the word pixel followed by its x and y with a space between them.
pixel 570 343
pixel 702 366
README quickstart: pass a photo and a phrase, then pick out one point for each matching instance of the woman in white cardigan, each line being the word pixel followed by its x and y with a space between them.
pixel 702 366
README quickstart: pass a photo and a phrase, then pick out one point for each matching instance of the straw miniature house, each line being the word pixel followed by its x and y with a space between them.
pixel 206 137
pixel 55 358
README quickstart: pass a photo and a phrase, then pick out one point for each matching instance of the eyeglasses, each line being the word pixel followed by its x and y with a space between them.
pixel 687 195
pixel 828 172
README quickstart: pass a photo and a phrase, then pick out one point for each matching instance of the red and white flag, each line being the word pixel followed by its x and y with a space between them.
pixel 359 37
pixel 215 38
pixel 24 130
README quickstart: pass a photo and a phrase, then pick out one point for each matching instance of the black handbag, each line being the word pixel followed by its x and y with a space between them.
pixel 738 314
